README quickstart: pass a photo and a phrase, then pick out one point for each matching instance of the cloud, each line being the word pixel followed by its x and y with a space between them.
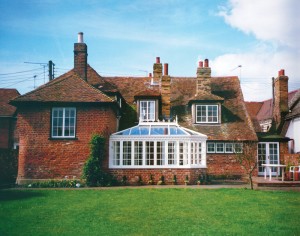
pixel 271 20
pixel 277 32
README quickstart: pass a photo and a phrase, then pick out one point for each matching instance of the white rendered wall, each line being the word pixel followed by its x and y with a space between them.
pixel 293 132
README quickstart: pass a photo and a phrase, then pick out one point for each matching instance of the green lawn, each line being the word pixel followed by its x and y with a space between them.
pixel 144 211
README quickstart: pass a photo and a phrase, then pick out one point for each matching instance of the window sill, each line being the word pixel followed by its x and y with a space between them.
pixel 62 139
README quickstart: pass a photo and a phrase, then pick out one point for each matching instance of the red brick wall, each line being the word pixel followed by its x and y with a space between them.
pixel 283 150
pixel 6 132
pixel 43 158
pixel 223 164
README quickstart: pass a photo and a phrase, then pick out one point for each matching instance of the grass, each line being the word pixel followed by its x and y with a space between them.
pixel 144 211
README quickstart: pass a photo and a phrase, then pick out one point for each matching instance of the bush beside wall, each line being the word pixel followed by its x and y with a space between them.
pixel 8 166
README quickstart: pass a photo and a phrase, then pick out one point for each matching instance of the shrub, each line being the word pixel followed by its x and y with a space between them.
pixel 92 170
pixel 8 166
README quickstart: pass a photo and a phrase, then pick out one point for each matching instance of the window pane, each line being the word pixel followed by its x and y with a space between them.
pixel 138 153
pixel 210 147
pixel 147 110
pixel 127 153
pixel 116 154
pixel 149 153
pixel 207 113
pixel 171 153
pixel 219 147
pixel 63 122
pixel 228 147
pixel 160 152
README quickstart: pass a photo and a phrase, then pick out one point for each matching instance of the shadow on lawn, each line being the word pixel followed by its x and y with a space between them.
pixel 8 195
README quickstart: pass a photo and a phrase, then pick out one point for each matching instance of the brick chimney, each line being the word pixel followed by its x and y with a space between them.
pixel 166 92
pixel 157 70
pixel 80 57
pixel 280 108
pixel 203 77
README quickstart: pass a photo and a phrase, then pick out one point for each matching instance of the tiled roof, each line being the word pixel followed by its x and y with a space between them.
pixel 294 105
pixel 97 81
pixel 148 93
pixel 206 97
pixel 266 108
pixel 5 96
pixel 67 88
pixel 130 86
pixel 236 124
pixel 253 108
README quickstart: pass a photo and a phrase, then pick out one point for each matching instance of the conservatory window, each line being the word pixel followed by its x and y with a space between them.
pixel 149 153
pixel 183 153
pixel 157 145
pixel 126 153
pixel 138 153
pixel 147 110
pixel 116 158
pixel 207 114
pixel 160 153
pixel 171 153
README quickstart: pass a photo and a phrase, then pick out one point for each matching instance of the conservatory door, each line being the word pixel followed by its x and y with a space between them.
pixel 267 153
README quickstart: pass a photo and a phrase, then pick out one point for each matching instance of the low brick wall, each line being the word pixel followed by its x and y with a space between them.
pixel 133 175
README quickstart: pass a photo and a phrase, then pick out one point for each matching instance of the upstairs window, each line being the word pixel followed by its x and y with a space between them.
pixel 207 114
pixel 63 122
pixel 147 110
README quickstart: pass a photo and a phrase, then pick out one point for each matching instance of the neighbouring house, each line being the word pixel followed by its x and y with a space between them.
pixel 159 125
pixel 291 127
pixel 276 123
pixel 8 119
pixel 56 122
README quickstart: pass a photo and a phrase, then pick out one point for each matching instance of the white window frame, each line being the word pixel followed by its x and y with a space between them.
pixel 63 126
pixel 223 147
pixel 150 114
pixel 208 144
pixel 232 145
pixel 197 118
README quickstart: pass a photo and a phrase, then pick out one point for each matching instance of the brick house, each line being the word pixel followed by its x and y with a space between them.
pixel 158 125
pixel 276 123
pixel 212 107
pixel 8 118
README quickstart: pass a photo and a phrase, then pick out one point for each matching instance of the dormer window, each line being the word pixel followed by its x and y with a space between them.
pixel 207 114
pixel 147 110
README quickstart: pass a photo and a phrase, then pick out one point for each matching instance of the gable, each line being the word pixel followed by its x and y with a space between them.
pixel 66 88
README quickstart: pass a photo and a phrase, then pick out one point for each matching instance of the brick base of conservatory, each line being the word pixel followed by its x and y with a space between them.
pixel 133 176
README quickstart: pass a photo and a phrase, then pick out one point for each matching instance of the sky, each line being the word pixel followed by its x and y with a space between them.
pixel 250 39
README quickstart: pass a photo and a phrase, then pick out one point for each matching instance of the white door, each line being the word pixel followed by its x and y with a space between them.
pixel 267 153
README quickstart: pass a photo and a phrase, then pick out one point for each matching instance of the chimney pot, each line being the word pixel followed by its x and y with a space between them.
pixel 200 64
pixel 166 69
pixel 281 72
pixel 150 75
pixel 157 60
pixel 206 63
pixel 80 37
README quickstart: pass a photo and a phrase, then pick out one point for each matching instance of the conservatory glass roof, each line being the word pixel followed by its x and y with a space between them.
pixel 158 128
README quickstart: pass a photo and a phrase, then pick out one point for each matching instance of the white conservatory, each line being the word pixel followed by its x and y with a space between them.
pixel 157 145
